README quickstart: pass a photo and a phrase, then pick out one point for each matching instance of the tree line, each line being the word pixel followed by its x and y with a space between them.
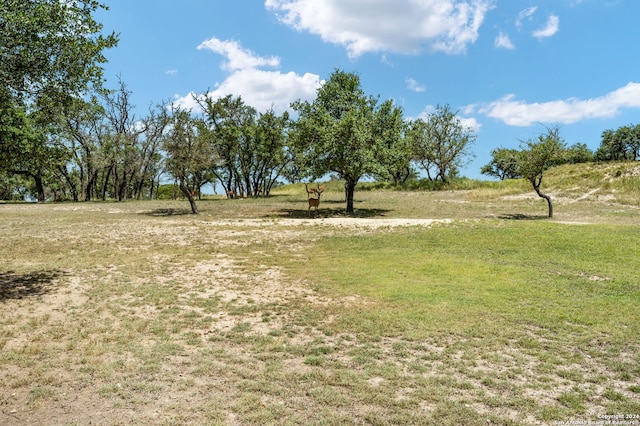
pixel 97 148
pixel 622 144
pixel 63 136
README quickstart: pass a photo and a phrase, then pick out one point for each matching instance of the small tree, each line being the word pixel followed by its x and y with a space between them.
pixel 578 153
pixel 441 142
pixel 271 157
pixel 539 155
pixel 503 164
pixel 394 152
pixel 188 154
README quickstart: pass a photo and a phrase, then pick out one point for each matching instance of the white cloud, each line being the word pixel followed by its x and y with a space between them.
pixel 237 57
pixel 525 14
pixel 171 72
pixel 399 26
pixel 470 123
pixel 504 41
pixel 520 113
pixel 414 85
pixel 258 88
pixel 551 27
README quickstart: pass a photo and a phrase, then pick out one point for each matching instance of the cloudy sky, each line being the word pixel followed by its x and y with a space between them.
pixel 509 67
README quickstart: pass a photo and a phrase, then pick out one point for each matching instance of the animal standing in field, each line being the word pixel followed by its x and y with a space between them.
pixel 314 202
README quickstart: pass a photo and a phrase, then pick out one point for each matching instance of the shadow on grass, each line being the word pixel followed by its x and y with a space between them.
pixel 520 216
pixel 20 286
pixel 329 213
pixel 168 212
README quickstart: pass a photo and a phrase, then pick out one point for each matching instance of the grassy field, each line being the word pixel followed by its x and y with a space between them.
pixel 253 313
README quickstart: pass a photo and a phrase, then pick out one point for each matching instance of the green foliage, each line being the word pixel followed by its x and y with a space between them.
pixel 579 153
pixel 188 154
pixel 17 132
pixel 441 143
pixel 503 164
pixel 620 144
pixel 51 53
pixel 394 151
pixel 249 149
pixel 344 132
pixel 539 155
pixel 168 192
pixel 271 156
pixel 14 187
pixel 51 49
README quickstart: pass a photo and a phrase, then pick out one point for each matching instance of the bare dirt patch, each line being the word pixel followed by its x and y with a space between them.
pixel 89 350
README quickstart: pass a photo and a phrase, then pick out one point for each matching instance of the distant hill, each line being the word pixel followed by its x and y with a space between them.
pixel 611 181
pixel 614 181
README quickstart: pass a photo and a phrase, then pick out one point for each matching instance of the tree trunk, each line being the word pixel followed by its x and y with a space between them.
pixel 106 183
pixel 91 185
pixel 39 187
pixel 350 186
pixel 72 185
pixel 546 197
pixel 153 181
pixel 189 195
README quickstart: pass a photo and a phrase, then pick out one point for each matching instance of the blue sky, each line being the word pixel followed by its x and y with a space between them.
pixel 509 67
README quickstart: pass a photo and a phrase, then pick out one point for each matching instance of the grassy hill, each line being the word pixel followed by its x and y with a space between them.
pixel 619 182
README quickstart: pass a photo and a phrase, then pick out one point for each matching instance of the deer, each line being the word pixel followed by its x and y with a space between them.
pixel 315 202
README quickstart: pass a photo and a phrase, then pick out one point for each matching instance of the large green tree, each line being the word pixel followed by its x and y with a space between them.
pixel 230 125
pixel 538 155
pixel 51 48
pixel 337 132
pixel 51 53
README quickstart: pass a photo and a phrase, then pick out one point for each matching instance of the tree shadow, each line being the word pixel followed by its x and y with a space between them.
pixel 168 212
pixel 520 216
pixel 20 286
pixel 329 213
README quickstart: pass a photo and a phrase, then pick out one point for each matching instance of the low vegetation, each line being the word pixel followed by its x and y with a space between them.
pixel 465 306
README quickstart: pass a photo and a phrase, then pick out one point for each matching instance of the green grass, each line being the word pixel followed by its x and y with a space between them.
pixel 488 276
pixel 546 305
